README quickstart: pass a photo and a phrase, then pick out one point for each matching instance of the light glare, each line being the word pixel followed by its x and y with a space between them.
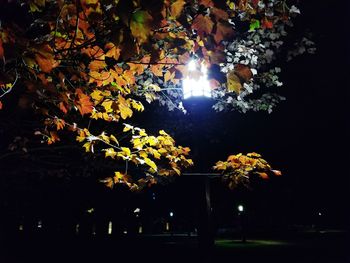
pixel 196 83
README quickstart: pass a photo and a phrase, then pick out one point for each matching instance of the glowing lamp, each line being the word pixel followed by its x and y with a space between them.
pixel 196 83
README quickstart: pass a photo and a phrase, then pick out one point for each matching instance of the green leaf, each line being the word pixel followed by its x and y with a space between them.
pixel 254 24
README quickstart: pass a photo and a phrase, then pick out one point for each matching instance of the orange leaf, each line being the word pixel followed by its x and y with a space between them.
pixel 113 51
pixel 267 24
pixel 176 8
pixel 263 175
pixel 157 70
pixel 83 103
pixel 63 107
pixel 45 59
pixel 52 138
pixel 203 25
pixel 243 72
pixel 277 172
pixel 59 124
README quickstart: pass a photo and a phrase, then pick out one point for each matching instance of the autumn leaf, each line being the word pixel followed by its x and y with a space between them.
pixel 124 107
pixel 267 24
pixel 233 82
pixel 113 51
pixel 223 31
pixel 110 153
pixel 263 175
pixel 63 107
pixel 151 164
pixel 203 25
pixel 83 103
pixel 276 172
pixel 176 8
pixel 169 76
pixel 157 70
pixel 0 105
pixel 45 58
pixel 141 25
pixel 243 72
pixel 59 123
pixel 52 138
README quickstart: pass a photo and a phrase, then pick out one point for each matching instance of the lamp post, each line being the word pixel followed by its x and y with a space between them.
pixel 196 93
pixel 242 222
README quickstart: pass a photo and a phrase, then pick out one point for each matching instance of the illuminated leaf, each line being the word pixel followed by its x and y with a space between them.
pixel 59 123
pixel 243 72
pixel 203 25
pixel 110 153
pixel 151 164
pixel 233 82
pixel 176 8
pixel 169 76
pixel 83 102
pixel 254 24
pixel 124 107
pixel 113 139
pixel 140 25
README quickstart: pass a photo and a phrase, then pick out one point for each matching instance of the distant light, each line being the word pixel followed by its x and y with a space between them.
pixel 240 208
pixel 110 228
pixel 196 83
pixel 40 224
pixel 125 232
pixel 77 228
pixel 171 214
pixel 20 228
pixel 137 210
pixel 319 213
pixel 167 226
pixel 94 229
pixel 140 230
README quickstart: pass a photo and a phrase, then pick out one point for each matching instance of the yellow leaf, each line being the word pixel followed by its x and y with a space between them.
pixel 156 154
pixel 126 151
pixel 177 170
pixel 143 154
pixel 151 164
pixel 233 82
pixel 97 96
pixel 169 76
pixel 88 146
pixel 176 8
pixel 138 144
pixel 107 104
pixel 104 137
pixel 110 152
pixel 127 127
pixel 124 107
pixel 137 105
pixel 119 175
pixel 114 139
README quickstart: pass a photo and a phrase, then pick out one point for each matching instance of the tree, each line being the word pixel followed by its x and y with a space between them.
pixel 83 64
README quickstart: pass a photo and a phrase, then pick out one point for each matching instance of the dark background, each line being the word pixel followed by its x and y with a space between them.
pixel 306 137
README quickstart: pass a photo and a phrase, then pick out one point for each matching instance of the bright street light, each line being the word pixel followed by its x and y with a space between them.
pixel 240 208
pixel 196 83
